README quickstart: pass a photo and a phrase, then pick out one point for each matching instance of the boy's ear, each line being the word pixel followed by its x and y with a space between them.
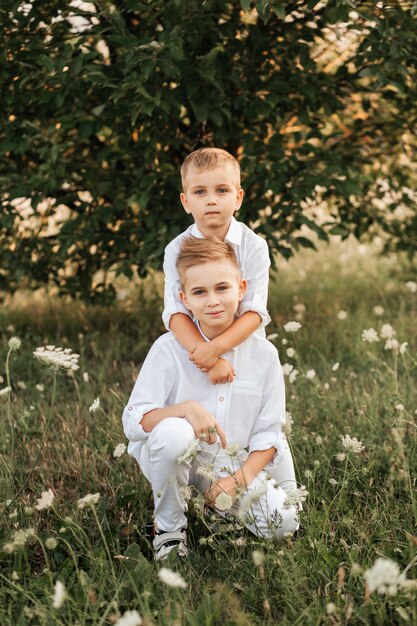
pixel 184 202
pixel 183 299
pixel 239 199
pixel 242 289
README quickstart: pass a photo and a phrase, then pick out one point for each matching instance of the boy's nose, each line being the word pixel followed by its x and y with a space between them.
pixel 211 199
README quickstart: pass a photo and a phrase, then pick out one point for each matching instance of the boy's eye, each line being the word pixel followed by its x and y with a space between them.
pixel 199 292
pixel 199 192
pixel 223 287
pixel 222 190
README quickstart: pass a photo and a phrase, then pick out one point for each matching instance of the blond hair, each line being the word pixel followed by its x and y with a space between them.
pixel 209 159
pixel 197 251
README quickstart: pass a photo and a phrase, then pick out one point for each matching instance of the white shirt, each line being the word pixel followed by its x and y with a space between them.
pixel 253 258
pixel 250 410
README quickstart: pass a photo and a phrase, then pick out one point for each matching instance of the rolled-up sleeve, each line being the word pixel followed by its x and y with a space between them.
pixel 172 302
pixel 151 391
pixel 267 431
pixel 257 277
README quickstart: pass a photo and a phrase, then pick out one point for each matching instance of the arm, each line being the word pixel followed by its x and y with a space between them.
pixel 243 477
pixel 185 331
pixel 257 265
pixel 242 328
pixel 172 302
pixel 200 419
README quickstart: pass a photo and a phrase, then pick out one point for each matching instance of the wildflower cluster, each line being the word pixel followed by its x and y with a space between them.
pixel 56 358
pixel 296 497
pixel 351 444
pixel 20 538
pixel 387 333
pixel 172 579
pixel 385 577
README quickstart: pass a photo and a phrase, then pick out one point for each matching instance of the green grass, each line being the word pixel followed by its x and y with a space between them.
pixel 358 509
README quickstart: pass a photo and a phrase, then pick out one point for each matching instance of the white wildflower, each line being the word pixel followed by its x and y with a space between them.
pixel 299 307
pixel 40 388
pixel 370 335
pixel 89 499
pixel 295 497
pixel 51 543
pixel 223 502
pixel 206 472
pixel 57 357
pixel 326 386
pixel 293 375
pixel 335 366
pixel 94 406
pixel 1 380
pixel 292 327
pixel 45 501
pixel 392 344
pixel 340 456
pixel 287 368
pixel 172 579
pixel 59 595
pixel 86 377
pixel 119 450
pixel 351 444
pixel 191 453
pixel 400 408
pixel 310 374
pixel 333 482
pixel 378 310
pixel 403 347
pixel 319 440
pixel 129 618
pixel 342 315
pixel 387 331
pixel 384 577
pixel 15 343
pixel 290 352
pixel 288 425
pixel 15 575
pixel 331 608
pixel 411 286
pixel 308 473
pixel 284 341
pixel 272 336
pixel 232 449
pixel 22 385
pixel 185 492
pixel 5 391
pixel 258 558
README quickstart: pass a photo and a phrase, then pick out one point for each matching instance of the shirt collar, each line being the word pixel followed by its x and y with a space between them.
pixel 233 235
pixel 206 338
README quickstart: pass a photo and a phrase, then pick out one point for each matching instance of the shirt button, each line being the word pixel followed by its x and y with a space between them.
pixel 130 408
pixel 221 399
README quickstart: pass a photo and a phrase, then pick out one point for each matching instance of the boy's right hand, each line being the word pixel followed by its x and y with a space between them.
pixel 221 372
pixel 205 425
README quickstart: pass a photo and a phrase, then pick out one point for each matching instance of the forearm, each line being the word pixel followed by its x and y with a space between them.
pixel 253 465
pixel 238 332
pixel 185 331
pixel 152 418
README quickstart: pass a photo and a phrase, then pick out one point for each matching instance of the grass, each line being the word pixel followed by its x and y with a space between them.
pixel 359 508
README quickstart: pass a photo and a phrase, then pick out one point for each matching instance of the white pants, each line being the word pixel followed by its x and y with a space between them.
pixel 266 517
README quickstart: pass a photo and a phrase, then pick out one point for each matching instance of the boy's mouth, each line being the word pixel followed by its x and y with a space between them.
pixel 212 212
pixel 214 313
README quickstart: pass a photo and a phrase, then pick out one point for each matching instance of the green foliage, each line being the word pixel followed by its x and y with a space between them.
pixel 101 104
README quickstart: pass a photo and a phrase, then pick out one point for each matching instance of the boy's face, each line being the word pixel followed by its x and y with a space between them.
pixel 212 197
pixel 212 292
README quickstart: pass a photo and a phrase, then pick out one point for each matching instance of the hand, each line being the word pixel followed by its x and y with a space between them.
pixel 221 372
pixel 204 355
pixel 228 485
pixel 205 425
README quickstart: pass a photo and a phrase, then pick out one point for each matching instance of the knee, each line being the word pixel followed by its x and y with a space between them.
pixel 173 436
pixel 285 524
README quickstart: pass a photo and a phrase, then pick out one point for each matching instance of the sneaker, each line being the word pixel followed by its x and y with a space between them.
pixel 165 542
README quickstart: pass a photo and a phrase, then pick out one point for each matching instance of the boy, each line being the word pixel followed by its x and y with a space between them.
pixel 174 407
pixel 212 194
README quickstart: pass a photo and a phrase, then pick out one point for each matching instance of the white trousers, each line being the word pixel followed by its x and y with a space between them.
pixel 170 439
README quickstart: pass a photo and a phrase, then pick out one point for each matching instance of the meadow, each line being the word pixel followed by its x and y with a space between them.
pixel 74 507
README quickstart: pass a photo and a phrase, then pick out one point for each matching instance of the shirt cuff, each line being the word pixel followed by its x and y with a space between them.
pixel 266 440
pixel 168 313
pixel 132 416
pixel 256 307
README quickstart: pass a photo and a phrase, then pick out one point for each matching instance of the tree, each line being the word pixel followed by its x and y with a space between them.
pixel 100 103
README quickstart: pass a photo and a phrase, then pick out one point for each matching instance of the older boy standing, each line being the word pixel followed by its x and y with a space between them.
pixel 174 406
pixel 212 195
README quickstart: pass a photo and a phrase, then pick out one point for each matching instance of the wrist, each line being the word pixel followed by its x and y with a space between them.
pixel 219 346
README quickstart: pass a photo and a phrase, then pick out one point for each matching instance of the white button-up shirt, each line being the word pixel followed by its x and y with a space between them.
pixel 250 410
pixel 253 258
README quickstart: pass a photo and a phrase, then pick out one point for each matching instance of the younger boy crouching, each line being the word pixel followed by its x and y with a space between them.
pixel 174 408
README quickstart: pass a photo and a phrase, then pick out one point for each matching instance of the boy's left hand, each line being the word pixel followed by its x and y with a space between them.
pixel 204 355
pixel 227 485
